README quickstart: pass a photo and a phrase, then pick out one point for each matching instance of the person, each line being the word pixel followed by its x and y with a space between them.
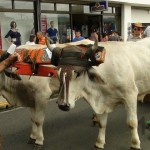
pixel 104 37
pixel 32 40
pixel 9 57
pixel 147 31
pixel 41 38
pixel 8 61
pixel 78 36
pixel 93 35
pixel 52 33
pixel 137 32
pixel 114 36
pixel 13 34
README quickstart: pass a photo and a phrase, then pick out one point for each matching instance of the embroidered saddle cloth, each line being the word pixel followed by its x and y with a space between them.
pixel 36 54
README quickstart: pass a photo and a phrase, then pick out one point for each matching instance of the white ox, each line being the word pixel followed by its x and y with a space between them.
pixel 34 93
pixel 123 78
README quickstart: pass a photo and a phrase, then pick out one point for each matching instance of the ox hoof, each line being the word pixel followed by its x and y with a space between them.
pixel 38 147
pixel 97 148
pixel 31 141
pixel 132 148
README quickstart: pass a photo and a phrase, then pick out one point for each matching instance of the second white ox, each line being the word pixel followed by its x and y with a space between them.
pixel 33 93
pixel 123 78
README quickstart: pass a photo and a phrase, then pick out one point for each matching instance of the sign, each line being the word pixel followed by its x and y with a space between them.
pixel 44 24
pixel 99 6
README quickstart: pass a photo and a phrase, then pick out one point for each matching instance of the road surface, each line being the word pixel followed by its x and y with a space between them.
pixel 71 130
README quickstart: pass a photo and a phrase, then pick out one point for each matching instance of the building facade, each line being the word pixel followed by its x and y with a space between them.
pixel 35 15
pixel 133 11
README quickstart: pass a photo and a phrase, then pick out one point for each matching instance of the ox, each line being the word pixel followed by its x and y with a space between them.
pixel 34 93
pixel 122 79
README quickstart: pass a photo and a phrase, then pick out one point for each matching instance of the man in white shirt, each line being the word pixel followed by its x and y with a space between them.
pixel 147 31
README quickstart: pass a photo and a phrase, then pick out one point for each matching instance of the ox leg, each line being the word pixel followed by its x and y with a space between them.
pixel 37 117
pixel 132 121
pixel 102 121
pixel 34 127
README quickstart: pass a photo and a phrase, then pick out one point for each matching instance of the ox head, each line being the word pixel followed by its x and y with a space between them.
pixel 73 62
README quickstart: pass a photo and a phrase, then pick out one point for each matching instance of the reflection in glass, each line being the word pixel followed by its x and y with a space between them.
pixel 47 6
pixel 77 8
pixel 23 5
pixel 109 10
pixel 24 25
pixel 62 7
pixel 109 24
pixel 62 24
pixel 5 4
pixel 86 9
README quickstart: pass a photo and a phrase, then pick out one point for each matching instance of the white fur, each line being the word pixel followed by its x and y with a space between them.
pixel 33 93
pixel 124 77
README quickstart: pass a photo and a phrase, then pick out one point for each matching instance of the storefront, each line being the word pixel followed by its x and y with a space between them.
pixel 67 15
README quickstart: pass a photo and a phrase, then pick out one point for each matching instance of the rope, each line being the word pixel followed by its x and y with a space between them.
pixel 64 84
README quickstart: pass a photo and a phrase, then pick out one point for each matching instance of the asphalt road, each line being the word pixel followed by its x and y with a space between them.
pixel 71 130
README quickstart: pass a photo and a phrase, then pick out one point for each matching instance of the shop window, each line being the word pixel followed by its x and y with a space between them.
pixel 109 10
pixel 23 5
pixel 62 7
pixel 47 6
pixel 77 8
pixel 114 10
pixel 117 10
pixel 5 4
pixel 96 12
pixel 24 25
pixel 111 23
pixel 61 23
pixel 86 9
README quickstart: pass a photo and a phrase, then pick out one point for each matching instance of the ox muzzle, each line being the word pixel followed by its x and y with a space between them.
pixel 64 76
pixel 64 107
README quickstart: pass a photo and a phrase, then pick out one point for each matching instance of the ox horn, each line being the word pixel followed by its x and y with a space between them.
pixel 50 46
pixel 95 46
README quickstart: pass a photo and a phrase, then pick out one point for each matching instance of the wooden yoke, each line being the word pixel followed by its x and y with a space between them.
pixel 35 61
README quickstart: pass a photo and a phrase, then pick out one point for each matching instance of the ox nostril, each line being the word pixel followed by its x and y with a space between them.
pixel 64 107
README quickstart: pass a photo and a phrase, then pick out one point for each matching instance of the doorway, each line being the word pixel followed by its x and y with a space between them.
pixel 85 23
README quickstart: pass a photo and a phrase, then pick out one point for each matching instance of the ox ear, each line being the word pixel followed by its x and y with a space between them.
pixel 95 76
pixel 55 56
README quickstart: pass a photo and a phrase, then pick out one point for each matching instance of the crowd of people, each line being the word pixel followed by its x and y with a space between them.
pixel 113 36
pixel 13 36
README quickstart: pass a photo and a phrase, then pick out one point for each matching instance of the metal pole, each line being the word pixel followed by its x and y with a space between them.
pixel 37 16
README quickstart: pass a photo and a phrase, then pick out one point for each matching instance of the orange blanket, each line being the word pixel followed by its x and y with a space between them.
pixel 33 53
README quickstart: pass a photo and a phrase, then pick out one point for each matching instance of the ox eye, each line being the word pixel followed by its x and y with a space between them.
pixel 77 73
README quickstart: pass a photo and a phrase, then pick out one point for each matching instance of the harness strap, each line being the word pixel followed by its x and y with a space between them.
pixel 64 84
pixel 72 54
pixel 74 61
